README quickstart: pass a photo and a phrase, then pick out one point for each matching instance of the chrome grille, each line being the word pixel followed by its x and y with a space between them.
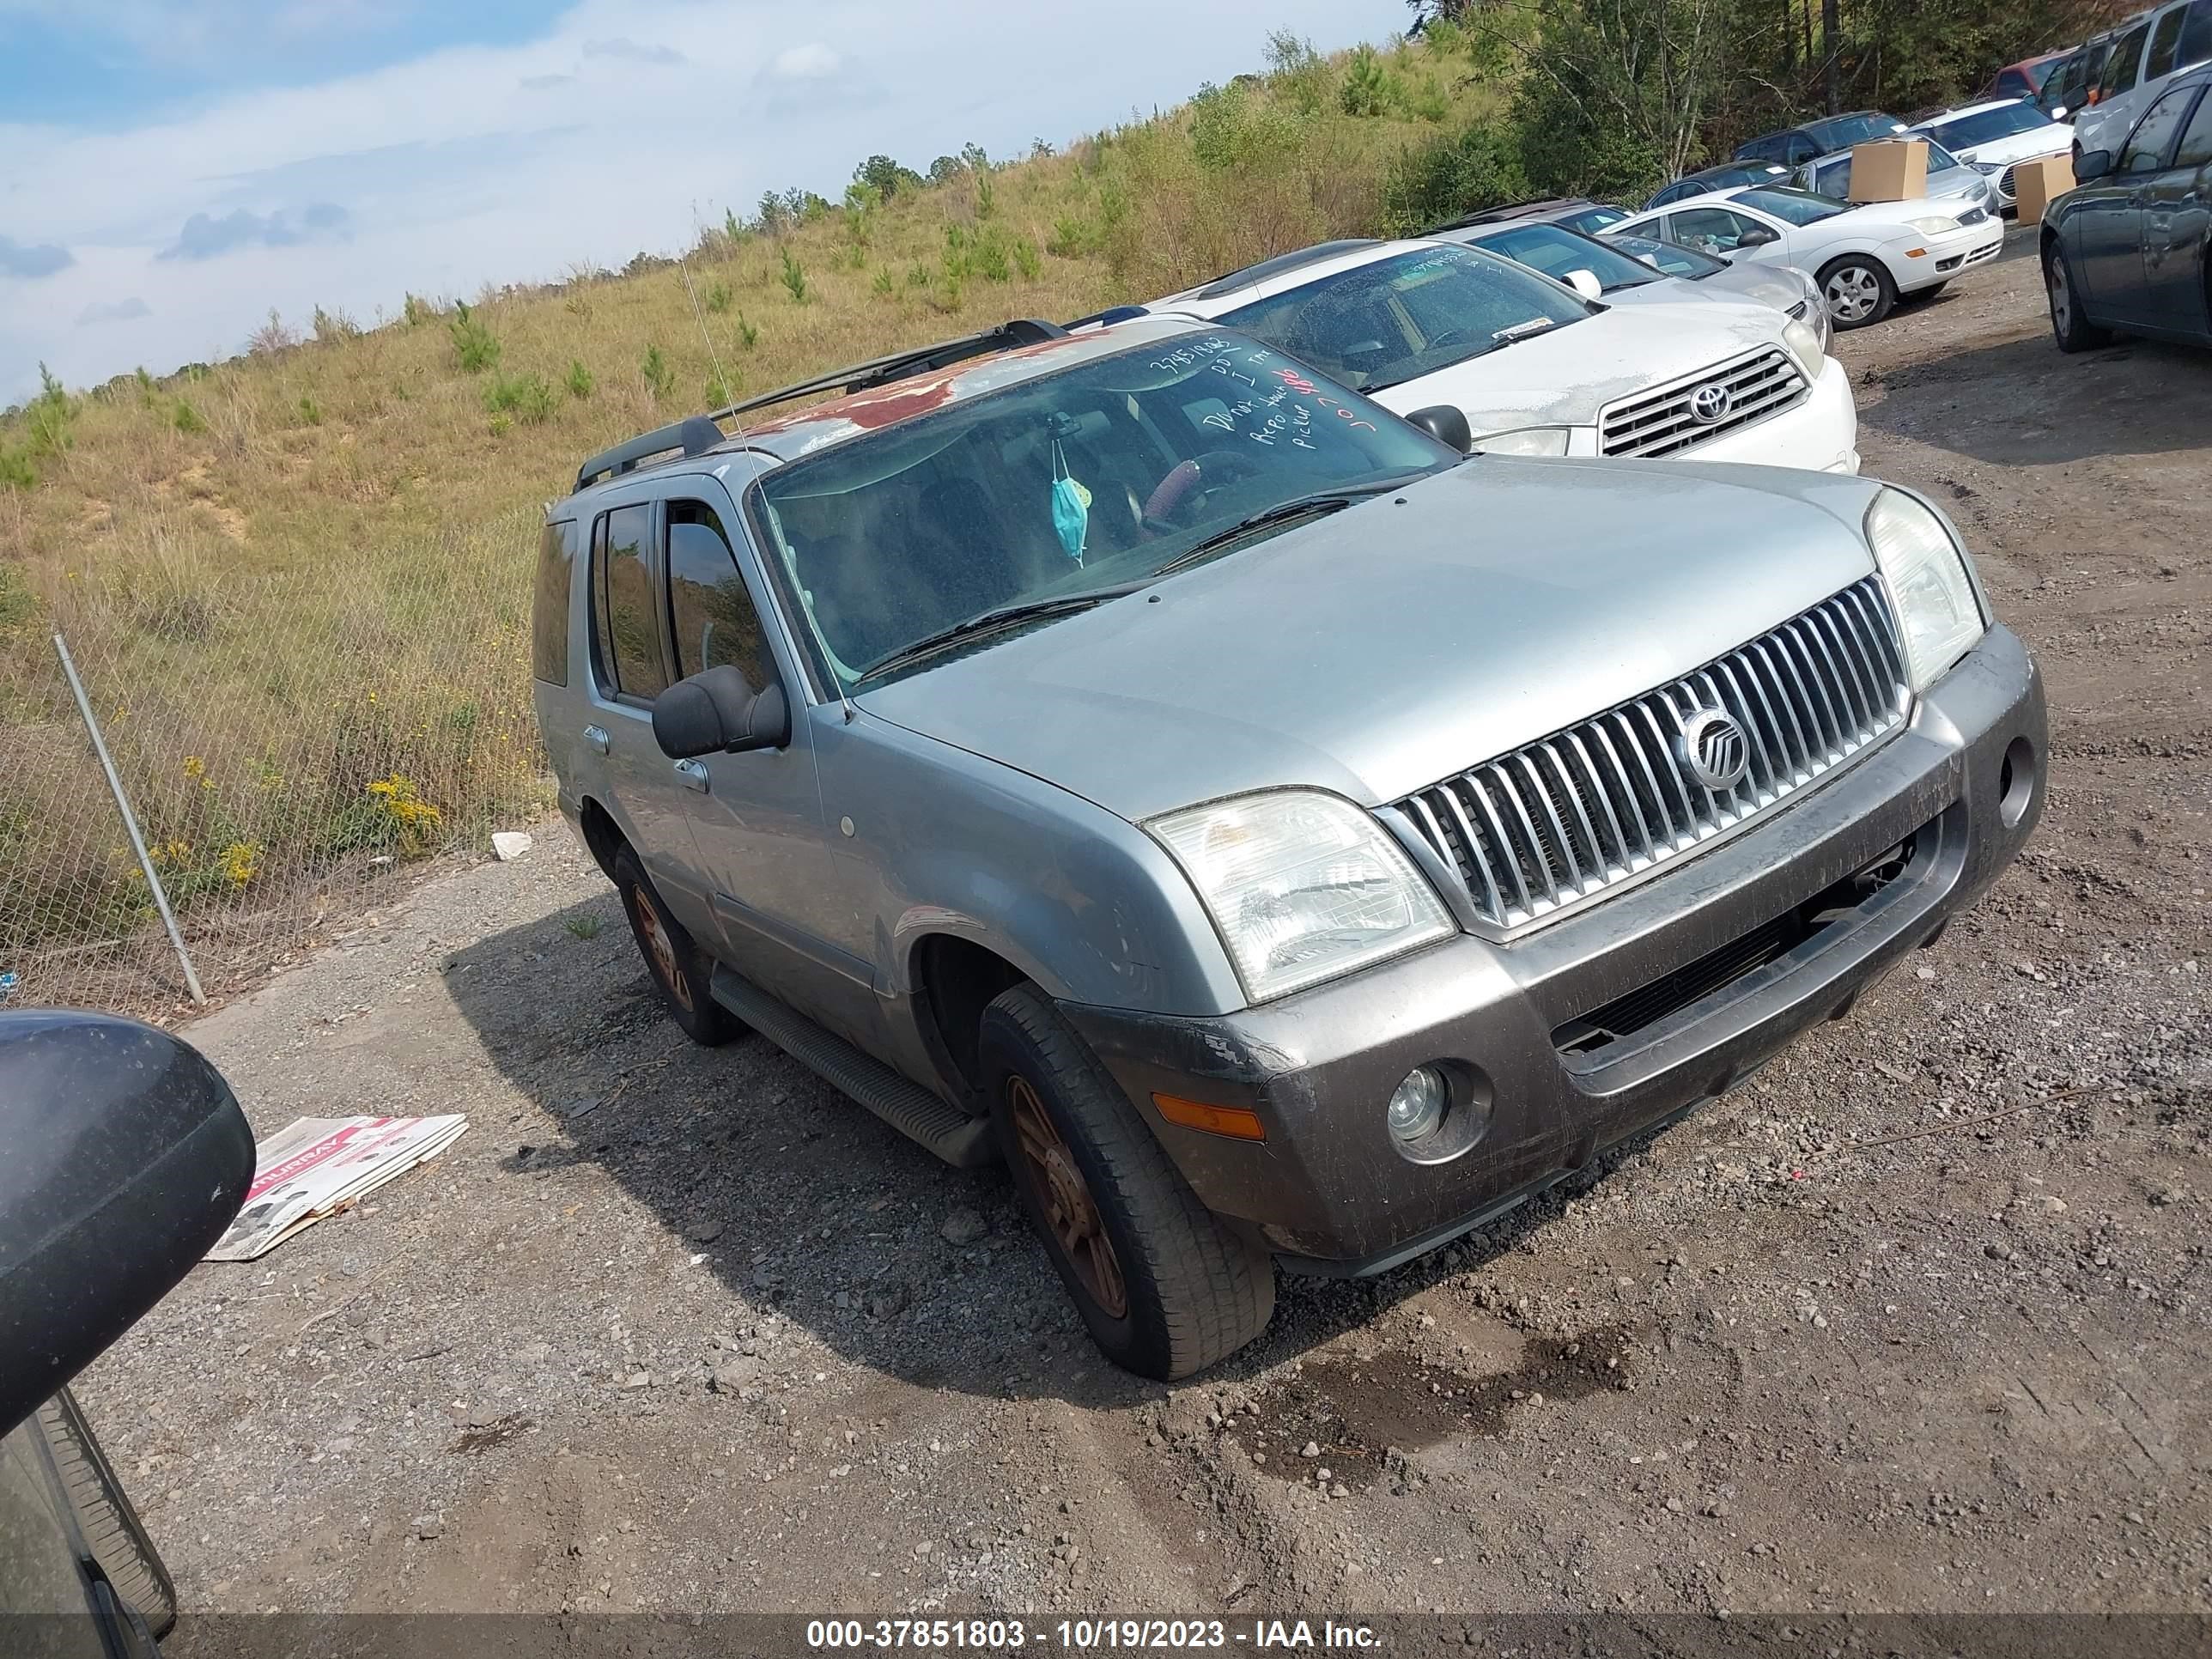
pixel 1662 422
pixel 1569 816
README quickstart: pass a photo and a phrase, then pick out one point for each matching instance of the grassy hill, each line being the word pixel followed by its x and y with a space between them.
pixel 295 583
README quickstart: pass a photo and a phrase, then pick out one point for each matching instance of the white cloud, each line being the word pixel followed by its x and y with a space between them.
pixel 811 62
pixel 481 163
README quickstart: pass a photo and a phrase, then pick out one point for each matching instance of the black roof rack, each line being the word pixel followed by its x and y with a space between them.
pixel 1105 319
pixel 696 435
pixel 1245 277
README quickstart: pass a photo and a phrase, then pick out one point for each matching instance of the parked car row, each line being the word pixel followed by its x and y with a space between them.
pixel 1863 258
pixel 2106 83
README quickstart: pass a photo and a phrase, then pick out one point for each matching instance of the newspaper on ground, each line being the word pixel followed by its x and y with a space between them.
pixel 317 1164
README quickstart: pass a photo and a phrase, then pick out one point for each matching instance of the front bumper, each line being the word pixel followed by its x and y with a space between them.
pixel 1946 256
pixel 1330 1189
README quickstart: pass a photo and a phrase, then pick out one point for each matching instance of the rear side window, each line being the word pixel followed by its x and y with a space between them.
pixel 712 616
pixel 2121 68
pixel 2197 34
pixel 548 627
pixel 626 628
pixel 2164 38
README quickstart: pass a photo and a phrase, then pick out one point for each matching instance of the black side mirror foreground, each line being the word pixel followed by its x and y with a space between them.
pixel 126 1156
pixel 1445 422
pixel 2092 164
pixel 717 712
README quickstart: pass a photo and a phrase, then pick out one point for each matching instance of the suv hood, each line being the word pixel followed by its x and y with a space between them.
pixel 1387 646
pixel 1565 376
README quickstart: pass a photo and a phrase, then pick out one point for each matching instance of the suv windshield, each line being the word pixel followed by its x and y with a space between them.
pixel 1555 253
pixel 1670 258
pixel 1065 486
pixel 1397 318
pixel 1833 178
pixel 1979 129
pixel 1799 207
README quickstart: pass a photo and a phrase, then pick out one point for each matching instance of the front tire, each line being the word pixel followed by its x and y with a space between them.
pixel 681 971
pixel 112 1531
pixel 1164 1287
pixel 2068 327
pixel 1857 291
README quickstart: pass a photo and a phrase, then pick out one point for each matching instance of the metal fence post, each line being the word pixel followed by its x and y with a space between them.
pixel 129 821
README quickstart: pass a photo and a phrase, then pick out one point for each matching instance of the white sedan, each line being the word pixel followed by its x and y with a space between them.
pixel 1539 366
pixel 1995 138
pixel 1863 258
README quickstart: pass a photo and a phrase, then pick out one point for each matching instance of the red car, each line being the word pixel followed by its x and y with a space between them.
pixel 2024 79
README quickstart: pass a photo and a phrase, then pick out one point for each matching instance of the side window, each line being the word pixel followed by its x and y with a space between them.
pixel 2195 34
pixel 2196 143
pixel 2147 144
pixel 712 617
pixel 549 623
pixel 627 633
pixel 2122 67
pixel 1715 230
pixel 2165 39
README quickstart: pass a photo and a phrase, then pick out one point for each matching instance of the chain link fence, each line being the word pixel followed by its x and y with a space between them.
pixel 290 744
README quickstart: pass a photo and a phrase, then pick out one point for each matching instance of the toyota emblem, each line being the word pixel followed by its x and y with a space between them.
pixel 1714 749
pixel 1711 403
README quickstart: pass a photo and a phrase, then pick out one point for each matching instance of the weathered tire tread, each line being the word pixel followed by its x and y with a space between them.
pixel 1211 1289
pixel 112 1531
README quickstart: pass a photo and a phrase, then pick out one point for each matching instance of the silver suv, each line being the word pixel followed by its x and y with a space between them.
pixel 1281 836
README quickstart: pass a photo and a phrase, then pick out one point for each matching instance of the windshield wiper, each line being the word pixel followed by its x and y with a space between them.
pixel 994 620
pixel 1298 507
pixel 1514 333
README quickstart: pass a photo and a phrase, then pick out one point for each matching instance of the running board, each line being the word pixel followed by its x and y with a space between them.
pixel 963 1141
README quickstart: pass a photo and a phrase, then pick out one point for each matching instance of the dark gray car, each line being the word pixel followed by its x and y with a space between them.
pixel 2131 246
pixel 1284 838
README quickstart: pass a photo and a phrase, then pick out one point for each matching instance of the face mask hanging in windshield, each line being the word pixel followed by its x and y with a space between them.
pixel 1071 506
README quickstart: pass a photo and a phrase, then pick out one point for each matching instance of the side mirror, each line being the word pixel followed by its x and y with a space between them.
pixel 1446 424
pixel 2092 164
pixel 2057 111
pixel 717 712
pixel 127 1157
pixel 1757 236
pixel 1585 283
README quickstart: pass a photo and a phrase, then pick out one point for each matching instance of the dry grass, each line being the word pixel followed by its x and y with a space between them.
pixel 305 569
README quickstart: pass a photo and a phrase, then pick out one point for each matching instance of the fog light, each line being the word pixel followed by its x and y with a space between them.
pixel 1417 1107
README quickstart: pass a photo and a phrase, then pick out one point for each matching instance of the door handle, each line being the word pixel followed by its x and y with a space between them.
pixel 693 775
pixel 595 739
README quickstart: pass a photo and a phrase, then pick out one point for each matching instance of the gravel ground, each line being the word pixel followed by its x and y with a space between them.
pixel 1917 1320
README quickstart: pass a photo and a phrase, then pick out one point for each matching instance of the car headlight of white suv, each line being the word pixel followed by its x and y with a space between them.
pixel 1925 570
pixel 1301 886
pixel 1805 346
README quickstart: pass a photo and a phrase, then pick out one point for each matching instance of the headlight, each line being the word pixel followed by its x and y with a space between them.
pixel 1302 887
pixel 1933 225
pixel 1926 572
pixel 1525 441
pixel 1805 346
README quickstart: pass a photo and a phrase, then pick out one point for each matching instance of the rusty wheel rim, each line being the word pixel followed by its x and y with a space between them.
pixel 660 948
pixel 1063 1198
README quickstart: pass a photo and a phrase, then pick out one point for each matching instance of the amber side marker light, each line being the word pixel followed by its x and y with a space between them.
pixel 1235 1121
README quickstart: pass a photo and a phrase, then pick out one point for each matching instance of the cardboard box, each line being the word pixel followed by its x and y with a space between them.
pixel 1889 170
pixel 2036 185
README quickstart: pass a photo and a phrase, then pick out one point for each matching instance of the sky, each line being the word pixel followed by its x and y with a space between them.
pixel 176 168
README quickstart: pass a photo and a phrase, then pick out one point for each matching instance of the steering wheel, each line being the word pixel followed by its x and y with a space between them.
pixel 1188 483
